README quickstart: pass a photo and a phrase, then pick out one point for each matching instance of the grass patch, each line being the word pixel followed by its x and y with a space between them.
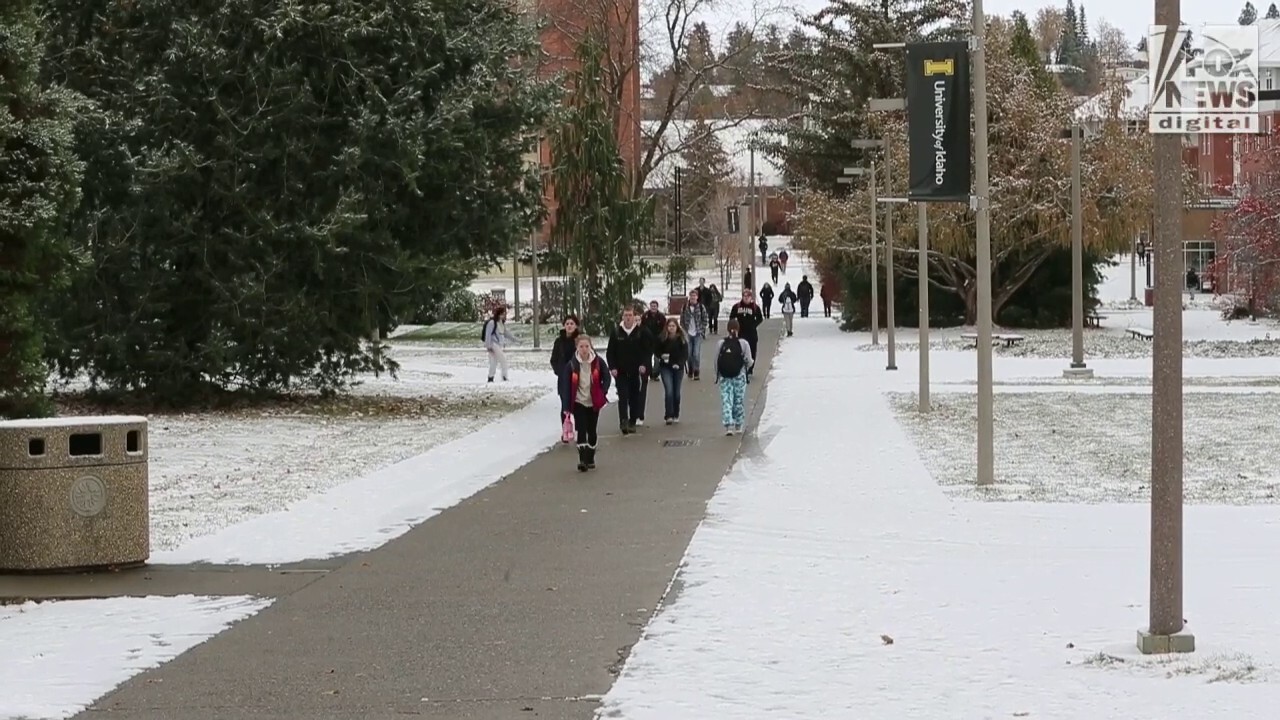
pixel 298 404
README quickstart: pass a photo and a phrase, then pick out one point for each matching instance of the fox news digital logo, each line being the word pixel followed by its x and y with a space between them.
pixel 1214 90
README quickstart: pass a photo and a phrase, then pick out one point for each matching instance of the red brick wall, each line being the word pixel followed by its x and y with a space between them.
pixel 566 21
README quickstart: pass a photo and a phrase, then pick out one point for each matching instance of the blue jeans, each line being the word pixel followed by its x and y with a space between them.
pixel 672 378
pixel 695 354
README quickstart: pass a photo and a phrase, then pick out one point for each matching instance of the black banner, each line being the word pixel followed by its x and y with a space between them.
pixel 938 121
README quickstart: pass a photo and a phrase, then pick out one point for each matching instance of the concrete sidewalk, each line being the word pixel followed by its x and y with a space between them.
pixel 523 601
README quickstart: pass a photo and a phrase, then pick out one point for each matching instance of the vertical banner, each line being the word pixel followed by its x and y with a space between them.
pixel 938 121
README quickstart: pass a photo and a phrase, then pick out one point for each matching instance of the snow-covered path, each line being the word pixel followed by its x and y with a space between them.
pixel 832 578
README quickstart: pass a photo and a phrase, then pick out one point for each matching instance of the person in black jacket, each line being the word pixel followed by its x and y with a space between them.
pixel 766 298
pixel 564 347
pixel 804 291
pixel 672 350
pixel 749 317
pixel 652 320
pixel 628 355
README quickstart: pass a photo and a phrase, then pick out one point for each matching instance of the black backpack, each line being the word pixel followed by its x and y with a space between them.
pixel 484 331
pixel 731 360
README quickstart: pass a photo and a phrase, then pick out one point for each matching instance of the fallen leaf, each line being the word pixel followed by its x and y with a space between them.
pixel 886 639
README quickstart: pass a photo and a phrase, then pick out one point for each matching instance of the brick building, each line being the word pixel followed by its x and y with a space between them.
pixel 1225 165
pixel 566 22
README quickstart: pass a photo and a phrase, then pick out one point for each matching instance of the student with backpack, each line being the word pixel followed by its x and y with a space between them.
pixel 733 361
pixel 749 317
pixel 787 302
pixel 584 391
pixel 629 356
pixel 496 337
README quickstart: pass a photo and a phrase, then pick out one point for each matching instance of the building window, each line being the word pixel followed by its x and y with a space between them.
pixel 1268 81
pixel 1197 257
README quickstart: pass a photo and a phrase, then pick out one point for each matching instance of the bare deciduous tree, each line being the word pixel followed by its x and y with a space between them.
pixel 652 40
pixel 1048 27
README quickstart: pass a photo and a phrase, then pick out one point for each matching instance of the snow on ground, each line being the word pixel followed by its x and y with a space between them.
pixel 293 488
pixel 59 657
pixel 1052 447
pixel 833 578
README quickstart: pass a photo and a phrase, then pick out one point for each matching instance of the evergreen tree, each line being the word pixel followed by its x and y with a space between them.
pixel 1082 28
pixel 596 222
pixel 1249 15
pixel 1069 43
pixel 1273 12
pixel 832 77
pixel 270 181
pixel 1142 45
pixel 39 180
pixel 703 180
pixel 1023 47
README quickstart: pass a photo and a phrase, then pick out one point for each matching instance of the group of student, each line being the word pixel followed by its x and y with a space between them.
pixel 648 347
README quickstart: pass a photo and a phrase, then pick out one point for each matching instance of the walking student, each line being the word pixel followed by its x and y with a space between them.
pixel 782 260
pixel 673 354
pixel 694 321
pixel 713 308
pixel 628 355
pixel 827 296
pixel 805 292
pixel 584 391
pixel 496 338
pixel 749 317
pixel 734 361
pixel 564 346
pixel 787 303
pixel 766 299
pixel 774 266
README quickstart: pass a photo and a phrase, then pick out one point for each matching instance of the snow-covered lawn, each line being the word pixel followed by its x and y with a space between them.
pixel 211 471
pixel 833 577
pixel 59 657
pixel 1096 447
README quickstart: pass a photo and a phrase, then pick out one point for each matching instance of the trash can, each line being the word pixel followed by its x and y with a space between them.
pixel 74 493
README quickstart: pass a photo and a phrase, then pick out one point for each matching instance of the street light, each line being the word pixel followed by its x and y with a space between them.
pixel 890 320
pixel 1165 631
pixel 982 208
pixel 870 172
pixel 1078 369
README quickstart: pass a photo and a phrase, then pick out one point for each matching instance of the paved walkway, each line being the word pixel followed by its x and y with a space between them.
pixel 521 602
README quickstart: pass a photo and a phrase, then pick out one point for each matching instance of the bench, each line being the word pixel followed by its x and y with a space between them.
pixel 1140 332
pixel 1094 320
pixel 996 339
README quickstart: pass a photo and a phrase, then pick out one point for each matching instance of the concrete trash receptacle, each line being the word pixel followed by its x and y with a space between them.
pixel 74 493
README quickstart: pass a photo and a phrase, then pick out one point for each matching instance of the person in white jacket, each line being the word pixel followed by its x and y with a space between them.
pixel 496 338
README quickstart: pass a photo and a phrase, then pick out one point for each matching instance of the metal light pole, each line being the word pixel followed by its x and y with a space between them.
pixel 982 187
pixel 1077 368
pixel 890 319
pixel 922 279
pixel 515 280
pixel 870 172
pixel 1133 273
pixel 537 312
pixel 1165 631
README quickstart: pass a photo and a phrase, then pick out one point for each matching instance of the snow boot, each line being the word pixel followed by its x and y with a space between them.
pixel 582 458
pixel 591 457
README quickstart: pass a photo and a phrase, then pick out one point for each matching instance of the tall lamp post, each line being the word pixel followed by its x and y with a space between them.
pixel 982 214
pixel 870 172
pixel 1165 631
pixel 1077 369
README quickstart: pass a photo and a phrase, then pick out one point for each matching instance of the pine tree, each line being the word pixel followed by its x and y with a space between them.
pixel 39 188
pixel 1249 15
pixel 596 221
pixel 252 214
pixel 1023 46
pixel 1069 44
pixel 1142 45
pixel 706 172
pixel 1273 12
pixel 1082 28
pixel 834 75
